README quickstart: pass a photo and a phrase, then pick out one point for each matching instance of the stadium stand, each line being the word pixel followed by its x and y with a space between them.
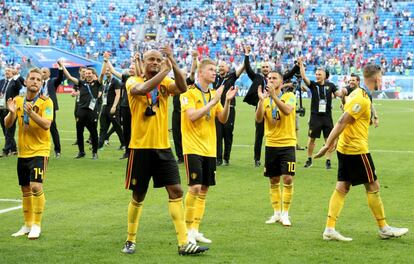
pixel 340 35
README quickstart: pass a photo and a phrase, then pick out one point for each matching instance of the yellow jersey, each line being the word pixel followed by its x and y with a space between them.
pixel 354 139
pixel 149 132
pixel 33 140
pixel 280 129
pixel 199 137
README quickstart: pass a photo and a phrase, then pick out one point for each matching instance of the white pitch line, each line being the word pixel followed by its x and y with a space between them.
pixel 10 209
pixel 250 146
pixel 10 200
pixel 372 150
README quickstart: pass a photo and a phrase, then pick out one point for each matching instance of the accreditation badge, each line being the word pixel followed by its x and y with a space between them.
pixel 92 104
pixel 322 106
pixel 2 102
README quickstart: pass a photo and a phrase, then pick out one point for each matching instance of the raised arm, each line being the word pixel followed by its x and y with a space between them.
pixel 67 74
pixel 240 69
pixel 106 56
pixel 246 64
pixel 148 86
pixel 180 85
pixel 59 79
pixel 194 62
pixel 103 70
pixel 302 72
pixel 138 66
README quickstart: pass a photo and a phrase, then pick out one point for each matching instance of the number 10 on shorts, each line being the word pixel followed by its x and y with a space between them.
pixel 291 166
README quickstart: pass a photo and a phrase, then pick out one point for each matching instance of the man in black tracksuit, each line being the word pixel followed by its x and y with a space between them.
pixel 49 88
pixel 252 97
pixel 110 110
pixel 90 91
pixel 225 131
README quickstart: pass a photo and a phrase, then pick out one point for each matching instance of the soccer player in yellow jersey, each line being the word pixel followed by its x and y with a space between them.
pixel 355 165
pixel 150 151
pixel 200 106
pixel 277 108
pixel 34 116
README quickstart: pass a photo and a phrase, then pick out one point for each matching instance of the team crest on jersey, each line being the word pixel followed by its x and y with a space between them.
pixel 134 181
pixel 184 100
pixel 356 108
pixel 193 175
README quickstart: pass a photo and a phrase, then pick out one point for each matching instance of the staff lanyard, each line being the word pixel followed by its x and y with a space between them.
pixel 204 98
pixel 324 92
pixel 107 85
pixel 44 88
pixel 5 85
pixel 274 111
pixel 89 90
pixel 25 115
pixel 222 82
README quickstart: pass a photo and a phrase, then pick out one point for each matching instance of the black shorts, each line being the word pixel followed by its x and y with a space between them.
pixel 280 161
pixel 200 170
pixel 143 164
pixel 356 169
pixel 319 123
pixel 31 170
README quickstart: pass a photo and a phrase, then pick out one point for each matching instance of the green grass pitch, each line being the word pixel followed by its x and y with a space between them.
pixel 86 208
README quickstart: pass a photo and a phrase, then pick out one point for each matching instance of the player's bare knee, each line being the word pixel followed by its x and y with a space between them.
pixel 195 189
pixel 343 187
pixel 26 190
pixel 204 189
pixel 138 197
pixel 274 180
pixel 372 186
pixel 174 191
pixel 287 179
pixel 36 187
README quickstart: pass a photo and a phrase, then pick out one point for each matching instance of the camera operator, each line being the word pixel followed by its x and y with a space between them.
pixel 321 109
pixel 252 97
pixel 295 86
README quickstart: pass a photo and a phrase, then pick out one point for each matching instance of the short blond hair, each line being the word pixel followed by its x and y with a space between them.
pixel 204 62
pixel 35 70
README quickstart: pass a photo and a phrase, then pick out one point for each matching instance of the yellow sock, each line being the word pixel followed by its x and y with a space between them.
pixel 335 206
pixel 287 196
pixel 377 208
pixel 27 205
pixel 176 209
pixel 275 197
pixel 134 213
pixel 200 206
pixel 38 207
pixel 190 200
